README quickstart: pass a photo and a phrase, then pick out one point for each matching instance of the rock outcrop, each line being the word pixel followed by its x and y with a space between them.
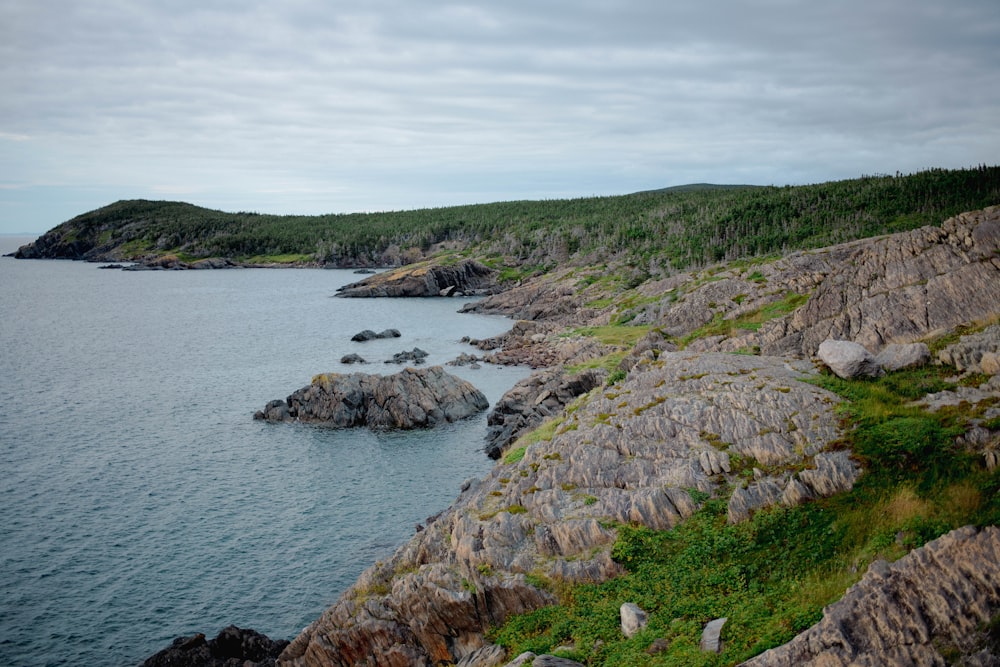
pixel 424 280
pixel 978 352
pixel 931 607
pixel 409 399
pixel 531 401
pixel 232 646
pixel 629 453
pixel 891 289
pixel 368 334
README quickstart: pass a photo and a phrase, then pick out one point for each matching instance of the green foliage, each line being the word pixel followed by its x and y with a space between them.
pixel 616 376
pixel 515 455
pixel 669 228
pixel 747 321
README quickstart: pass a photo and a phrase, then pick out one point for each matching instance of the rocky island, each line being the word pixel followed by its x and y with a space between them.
pixel 412 398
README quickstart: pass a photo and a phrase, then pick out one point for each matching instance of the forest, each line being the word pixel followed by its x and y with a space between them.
pixel 656 231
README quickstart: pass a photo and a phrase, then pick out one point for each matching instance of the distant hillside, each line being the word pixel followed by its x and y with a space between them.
pixel 657 231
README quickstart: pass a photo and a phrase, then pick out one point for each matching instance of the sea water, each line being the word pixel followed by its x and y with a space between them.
pixel 139 501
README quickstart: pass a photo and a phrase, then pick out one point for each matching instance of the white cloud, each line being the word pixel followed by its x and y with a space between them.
pixel 312 105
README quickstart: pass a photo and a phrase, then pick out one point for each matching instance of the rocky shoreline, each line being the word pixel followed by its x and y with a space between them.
pixel 679 418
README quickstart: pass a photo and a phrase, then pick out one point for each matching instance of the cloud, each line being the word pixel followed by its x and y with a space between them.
pixel 338 106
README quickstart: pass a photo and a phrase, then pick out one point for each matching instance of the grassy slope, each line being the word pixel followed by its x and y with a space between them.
pixel 772 575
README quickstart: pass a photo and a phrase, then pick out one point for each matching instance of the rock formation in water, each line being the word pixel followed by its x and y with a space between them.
pixel 368 334
pixel 465 278
pixel 411 398
pixel 232 647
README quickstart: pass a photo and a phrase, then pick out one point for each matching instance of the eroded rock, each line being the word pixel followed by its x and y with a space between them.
pixel 628 453
pixel 927 608
pixel 975 352
pixel 411 398
pixel 425 280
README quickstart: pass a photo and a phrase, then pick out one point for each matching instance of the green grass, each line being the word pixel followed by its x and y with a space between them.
pixel 748 321
pixel 917 485
pixel 288 258
pixel 613 334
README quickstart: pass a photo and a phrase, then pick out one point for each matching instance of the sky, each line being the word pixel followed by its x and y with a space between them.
pixel 327 106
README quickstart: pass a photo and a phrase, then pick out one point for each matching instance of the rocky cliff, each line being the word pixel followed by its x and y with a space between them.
pixel 896 288
pixel 465 278
pixel 928 608
pixel 628 453
pixel 412 398
pixel 687 422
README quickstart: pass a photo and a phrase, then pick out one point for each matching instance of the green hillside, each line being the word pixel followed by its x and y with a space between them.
pixel 657 230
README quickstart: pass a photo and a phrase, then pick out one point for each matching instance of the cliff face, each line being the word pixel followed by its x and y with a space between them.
pixel 930 606
pixel 467 277
pixel 893 289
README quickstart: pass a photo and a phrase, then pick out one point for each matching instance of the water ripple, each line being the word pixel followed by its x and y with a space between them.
pixel 141 502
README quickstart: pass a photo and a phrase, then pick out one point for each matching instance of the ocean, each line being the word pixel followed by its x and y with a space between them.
pixel 139 501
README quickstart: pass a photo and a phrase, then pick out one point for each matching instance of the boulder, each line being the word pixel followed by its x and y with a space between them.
pixel 352 359
pixel 554 661
pixel 233 645
pixel 711 640
pixel 368 334
pixel 897 356
pixel 409 399
pixel 633 619
pixel 847 359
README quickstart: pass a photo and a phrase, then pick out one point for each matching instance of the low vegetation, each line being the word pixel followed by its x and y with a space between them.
pixel 918 485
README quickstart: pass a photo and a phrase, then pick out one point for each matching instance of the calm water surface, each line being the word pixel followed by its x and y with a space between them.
pixel 139 499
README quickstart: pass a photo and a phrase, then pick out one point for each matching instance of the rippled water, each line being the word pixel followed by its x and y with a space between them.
pixel 141 502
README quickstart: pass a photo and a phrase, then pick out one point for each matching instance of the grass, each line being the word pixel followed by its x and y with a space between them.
pixel 613 334
pixel 917 486
pixel 719 326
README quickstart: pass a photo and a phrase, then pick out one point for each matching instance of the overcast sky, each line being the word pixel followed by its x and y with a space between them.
pixel 320 106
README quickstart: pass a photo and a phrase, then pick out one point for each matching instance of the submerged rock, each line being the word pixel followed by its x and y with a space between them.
pixel 368 334
pixel 416 356
pixel 411 398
